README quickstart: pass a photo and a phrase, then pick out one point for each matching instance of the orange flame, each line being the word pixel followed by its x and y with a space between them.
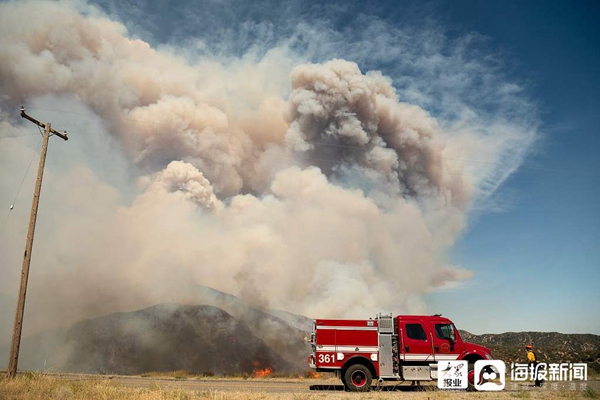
pixel 315 375
pixel 260 373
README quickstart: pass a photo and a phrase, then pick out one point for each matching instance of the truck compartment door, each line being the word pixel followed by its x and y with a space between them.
pixel 386 366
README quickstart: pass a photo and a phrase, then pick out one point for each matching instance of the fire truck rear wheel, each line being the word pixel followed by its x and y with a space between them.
pixel 358 378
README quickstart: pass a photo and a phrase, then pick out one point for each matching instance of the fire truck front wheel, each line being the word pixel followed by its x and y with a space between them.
pixel 358 378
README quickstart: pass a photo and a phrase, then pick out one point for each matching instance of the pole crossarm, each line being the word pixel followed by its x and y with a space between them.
pixel 62 135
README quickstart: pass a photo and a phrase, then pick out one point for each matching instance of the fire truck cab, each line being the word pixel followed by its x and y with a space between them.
pixel 403 348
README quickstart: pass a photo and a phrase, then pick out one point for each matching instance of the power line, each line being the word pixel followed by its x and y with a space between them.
pixel 21 185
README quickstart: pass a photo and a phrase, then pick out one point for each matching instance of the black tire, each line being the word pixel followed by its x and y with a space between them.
pixel 358 378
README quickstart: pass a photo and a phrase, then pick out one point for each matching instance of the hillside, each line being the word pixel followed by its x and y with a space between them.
pixel 282 331
pixel 549 346
pixel 167 337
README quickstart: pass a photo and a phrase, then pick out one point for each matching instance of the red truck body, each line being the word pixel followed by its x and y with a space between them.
pixel 405 347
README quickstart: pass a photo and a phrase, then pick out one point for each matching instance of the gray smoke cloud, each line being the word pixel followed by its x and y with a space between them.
pixel 311 187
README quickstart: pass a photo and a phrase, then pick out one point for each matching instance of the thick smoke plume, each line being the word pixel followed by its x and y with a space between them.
pixel 311 187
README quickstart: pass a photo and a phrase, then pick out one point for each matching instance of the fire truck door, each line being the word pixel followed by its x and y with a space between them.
pixel 415 343
pixel 446 344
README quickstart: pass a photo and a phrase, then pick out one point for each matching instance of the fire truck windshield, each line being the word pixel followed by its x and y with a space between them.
pixel 445 331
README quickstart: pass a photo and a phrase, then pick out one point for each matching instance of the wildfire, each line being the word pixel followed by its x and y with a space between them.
pixel 260 373
pixel 314 375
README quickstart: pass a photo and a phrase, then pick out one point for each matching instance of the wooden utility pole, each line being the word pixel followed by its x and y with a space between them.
pixel 16 339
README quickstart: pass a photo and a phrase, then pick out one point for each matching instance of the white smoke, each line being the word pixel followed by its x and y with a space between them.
pixel 301 186
pixel 185 180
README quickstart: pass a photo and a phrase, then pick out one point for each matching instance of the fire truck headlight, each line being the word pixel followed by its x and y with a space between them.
pixel 340 356
pixel 374 357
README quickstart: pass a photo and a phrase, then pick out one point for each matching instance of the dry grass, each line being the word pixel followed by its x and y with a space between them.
pixel 34 387
pixel 38 386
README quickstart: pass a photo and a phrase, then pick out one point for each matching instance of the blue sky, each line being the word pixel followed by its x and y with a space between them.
pixel 537 261
pixel 521 75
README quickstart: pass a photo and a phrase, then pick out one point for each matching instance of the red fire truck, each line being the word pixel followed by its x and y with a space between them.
pixel 403 348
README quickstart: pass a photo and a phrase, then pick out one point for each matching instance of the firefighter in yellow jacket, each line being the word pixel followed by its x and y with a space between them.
pixel 531 358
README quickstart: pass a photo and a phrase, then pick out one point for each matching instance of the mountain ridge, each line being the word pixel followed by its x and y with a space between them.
pixel 550 347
